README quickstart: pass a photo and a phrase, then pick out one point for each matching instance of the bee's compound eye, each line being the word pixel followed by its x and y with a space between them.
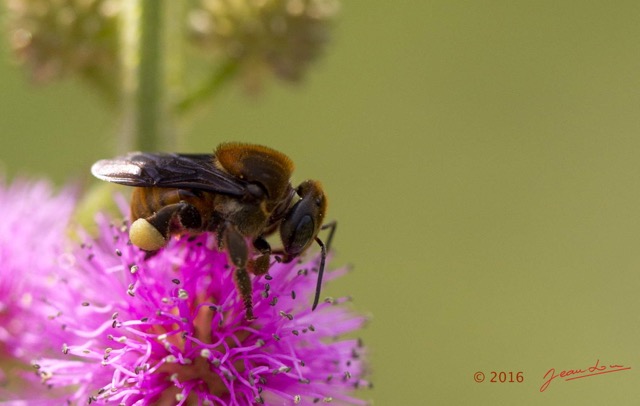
pixel 297 231
pixel 303 234
pixel 145 236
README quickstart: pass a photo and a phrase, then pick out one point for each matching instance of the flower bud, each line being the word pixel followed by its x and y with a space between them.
pixel 280 36
pixel 57 38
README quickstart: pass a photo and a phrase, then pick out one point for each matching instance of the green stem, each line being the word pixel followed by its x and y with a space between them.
pixel 210 87
pixel 149 101
pixel 143 101
pixel 174 62
pixel 152 76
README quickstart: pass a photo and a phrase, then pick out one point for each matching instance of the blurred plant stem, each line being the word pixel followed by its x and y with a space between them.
pixel 148 122
pixel 154 99
pixel 150 96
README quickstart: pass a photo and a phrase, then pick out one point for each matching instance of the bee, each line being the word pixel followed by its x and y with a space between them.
pixel 242 193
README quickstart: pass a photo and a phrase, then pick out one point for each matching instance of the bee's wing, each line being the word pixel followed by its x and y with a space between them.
pixel 191 171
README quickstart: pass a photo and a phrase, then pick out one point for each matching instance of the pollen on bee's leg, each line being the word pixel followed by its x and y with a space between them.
pixel 145 236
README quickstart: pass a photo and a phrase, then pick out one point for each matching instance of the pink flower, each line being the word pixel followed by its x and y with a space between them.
pixel 32 238
pixel 171 329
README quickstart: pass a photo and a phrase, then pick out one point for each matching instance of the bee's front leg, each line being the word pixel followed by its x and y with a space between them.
pixel 260 265
pixel 238 253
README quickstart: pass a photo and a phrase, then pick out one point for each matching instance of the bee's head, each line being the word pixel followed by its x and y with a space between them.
pixel 304 219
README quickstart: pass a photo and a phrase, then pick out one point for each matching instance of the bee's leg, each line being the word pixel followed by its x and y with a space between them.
pixel 217 226
pixel 153 232
pixel 260 265
pixel 189 217
pixel 238 255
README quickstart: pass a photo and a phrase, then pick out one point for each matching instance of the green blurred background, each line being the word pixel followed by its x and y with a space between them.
pixel 482 161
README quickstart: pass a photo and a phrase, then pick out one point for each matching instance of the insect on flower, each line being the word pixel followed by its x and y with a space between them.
pixel 241 192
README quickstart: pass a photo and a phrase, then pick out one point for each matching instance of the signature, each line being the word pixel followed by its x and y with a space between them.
pixel 570 374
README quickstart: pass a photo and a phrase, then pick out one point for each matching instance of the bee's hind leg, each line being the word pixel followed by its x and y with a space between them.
pixel 153 232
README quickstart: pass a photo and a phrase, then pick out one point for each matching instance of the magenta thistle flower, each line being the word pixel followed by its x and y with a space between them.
pixel 32 237
pixel 171 329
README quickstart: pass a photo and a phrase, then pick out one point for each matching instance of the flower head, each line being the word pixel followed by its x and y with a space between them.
pixel 32 237
pixel 58 38
pixel 282 36
pixel 171 329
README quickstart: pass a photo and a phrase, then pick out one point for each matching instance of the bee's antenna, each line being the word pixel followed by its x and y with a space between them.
pixel 323 257
pixel 332 225
pixel 323 249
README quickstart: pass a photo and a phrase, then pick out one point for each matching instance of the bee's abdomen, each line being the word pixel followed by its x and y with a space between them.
pixel 146 201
